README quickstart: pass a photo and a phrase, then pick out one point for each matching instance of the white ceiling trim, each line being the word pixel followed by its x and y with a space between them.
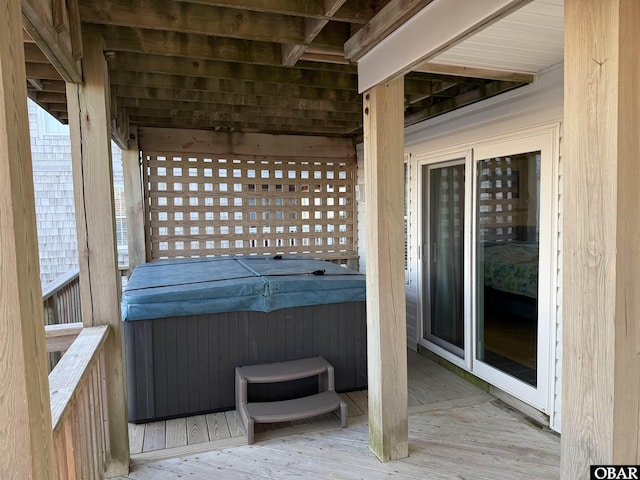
pixel 435 28
pixel 529 40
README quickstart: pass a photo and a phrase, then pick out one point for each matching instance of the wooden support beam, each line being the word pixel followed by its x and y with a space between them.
pixel 95 223
pixel 134 200
pixel 354 11
pixel 204 108
pixel 50 97
pixel 386 310
pixel 601 270
pixel 428 67
pixel 203 19
pixel 213 116
pixel 130 96
pixel 202 141
pixel 32 53
pixel 392 16
pixel 260 88
pixel 190 45
pixel 458 100
pixel 312 27
pixel 26 443
pixel 34 84
pixel 324 58
pixel 42 71
pixel 53 28
pixel 235 72
pixel 247 127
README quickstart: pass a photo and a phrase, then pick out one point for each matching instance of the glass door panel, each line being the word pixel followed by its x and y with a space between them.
pixel 507 264
pixel 443 247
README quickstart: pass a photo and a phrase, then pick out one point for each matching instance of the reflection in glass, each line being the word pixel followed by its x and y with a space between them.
pixel 507 253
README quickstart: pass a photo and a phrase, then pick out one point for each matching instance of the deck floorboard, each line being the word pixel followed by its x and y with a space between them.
pixel 455 431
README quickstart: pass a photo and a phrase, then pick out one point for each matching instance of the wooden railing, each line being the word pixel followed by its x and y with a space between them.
pixel 61 303
pixel 78 407
pixel 61 299
pixel 62 312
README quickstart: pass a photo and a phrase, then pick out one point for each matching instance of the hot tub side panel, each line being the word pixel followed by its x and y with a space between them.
pixel 181 366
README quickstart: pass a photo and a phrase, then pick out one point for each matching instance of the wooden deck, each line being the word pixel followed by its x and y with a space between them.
pixel 455 431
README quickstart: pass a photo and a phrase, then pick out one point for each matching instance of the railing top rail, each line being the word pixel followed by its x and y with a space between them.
pixel 71 370
pixel 59 283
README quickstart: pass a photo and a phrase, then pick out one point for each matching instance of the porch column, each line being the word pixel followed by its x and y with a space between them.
pixel 601 316
pixel 26 440
pixel 134 199
pixel 386 310
pixel 95 223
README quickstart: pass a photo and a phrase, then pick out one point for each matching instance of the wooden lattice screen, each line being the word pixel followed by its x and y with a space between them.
pixel 203 205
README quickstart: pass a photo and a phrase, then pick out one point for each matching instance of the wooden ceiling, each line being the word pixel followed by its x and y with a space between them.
pixel 272 66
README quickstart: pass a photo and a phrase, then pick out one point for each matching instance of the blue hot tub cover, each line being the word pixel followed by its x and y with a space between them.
pixel 170 288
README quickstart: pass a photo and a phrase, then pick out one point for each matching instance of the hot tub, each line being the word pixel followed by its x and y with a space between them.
pixel 188 323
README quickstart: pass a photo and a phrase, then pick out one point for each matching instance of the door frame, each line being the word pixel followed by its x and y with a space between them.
pixel 451 157
pixel 537 396
pixel 546 139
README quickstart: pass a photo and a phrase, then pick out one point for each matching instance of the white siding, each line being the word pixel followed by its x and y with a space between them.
pixel 557 393
pixel 520 110
pixel 412 283
pixel 538 104
pixel 361 208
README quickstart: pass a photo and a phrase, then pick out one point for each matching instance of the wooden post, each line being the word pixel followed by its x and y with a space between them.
pixel 386 310
pixel 26 441
pixel 601 317
pixel 95 223
pixel 134 199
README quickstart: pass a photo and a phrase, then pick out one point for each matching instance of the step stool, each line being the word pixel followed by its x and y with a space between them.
pixel 327 400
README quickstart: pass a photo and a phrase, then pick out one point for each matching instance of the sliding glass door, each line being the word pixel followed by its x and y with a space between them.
pixel 443 247
pixel 487 263
pixel 507 260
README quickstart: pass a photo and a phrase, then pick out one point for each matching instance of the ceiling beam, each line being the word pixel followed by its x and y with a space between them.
pixel 227 108
pixel 33 54
pixel 52 85
pixel 42 71
pixel 59 42
pixel 392 16
pixel 214 117
pixel 51 97
pixel 35 84
pixel 261 88
pixel 203 19
pixel 485 73
pixel 313 26
pixel 247 127
pixel 191 45
pixel 205 47
pixel 199 96
pixel 465 98
pixel 354 11
pixel 231 71
pixel 319 57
